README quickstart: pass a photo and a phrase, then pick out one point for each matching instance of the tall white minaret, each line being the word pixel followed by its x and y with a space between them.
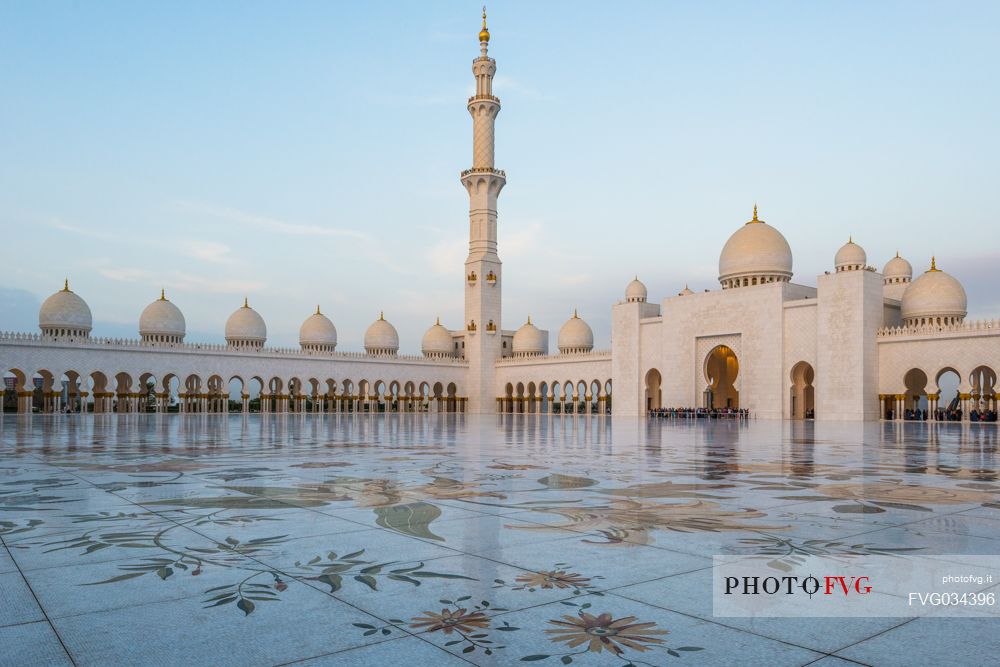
pixel 482 268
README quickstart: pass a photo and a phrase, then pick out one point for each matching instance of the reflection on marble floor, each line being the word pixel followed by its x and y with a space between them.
pixel 446 539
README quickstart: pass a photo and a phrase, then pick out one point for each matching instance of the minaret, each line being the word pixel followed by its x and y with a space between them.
pixel 482 268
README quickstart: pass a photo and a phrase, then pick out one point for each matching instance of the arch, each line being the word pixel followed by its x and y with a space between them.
pixel 983 384
pixel 949 384
pixel 915 381
pixel 124 393
pixel 150 396
pixel 236 392
pixel 654 393
pixel 70 388
pixel 803 393
pixel 348 402
pixel 721 370
pixel 556 392
pixel 13 384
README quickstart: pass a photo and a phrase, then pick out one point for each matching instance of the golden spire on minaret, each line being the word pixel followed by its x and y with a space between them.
pixel 484 34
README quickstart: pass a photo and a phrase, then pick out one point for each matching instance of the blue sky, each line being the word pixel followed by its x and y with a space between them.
pixel 306 153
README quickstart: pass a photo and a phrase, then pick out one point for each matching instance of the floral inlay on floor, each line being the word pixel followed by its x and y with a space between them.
pixel 442 540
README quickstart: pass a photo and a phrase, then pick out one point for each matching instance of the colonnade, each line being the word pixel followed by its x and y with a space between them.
pixel 967 402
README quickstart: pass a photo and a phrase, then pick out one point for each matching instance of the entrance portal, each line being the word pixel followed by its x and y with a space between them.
pixel 653 393
pixel 803 399
pixel 721 369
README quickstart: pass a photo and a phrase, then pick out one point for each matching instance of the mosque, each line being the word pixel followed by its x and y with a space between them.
pixel 860 345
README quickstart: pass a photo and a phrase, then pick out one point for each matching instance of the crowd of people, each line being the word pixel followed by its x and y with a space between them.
pixel 948 415
pixel 699 413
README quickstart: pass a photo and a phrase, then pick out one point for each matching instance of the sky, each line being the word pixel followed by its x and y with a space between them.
pixel 309 153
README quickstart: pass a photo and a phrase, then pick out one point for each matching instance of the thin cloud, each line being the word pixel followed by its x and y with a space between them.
pixel 181 281
pixel 55 223
pixel 126 275
pixel 209 251
pixel 272 224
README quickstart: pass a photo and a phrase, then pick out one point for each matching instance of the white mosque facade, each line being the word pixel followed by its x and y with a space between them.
pixel 860 345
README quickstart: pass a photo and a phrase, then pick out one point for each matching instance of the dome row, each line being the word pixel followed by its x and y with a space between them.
pixel 65 314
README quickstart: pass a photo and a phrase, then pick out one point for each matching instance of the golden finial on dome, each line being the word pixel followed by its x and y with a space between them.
pixel 529 319
pixel 65 285
pixel 246 302
pixel 934 267
pixel 381 315
pixel 575 316
pixel 755 218
pixel 897 254
pixel 850 240
pixel 163 294
pixel 317 310
pixel 437 321
pixel 484 34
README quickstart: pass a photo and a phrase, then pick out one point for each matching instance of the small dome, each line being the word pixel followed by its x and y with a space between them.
pixel 685 292
pixel 162 321
pixel 318 333
pixel 437 342
pixel 528 340
pixel 756 251
pixel 897 268
pixel 635 292
pixel 850 257
pixel 381 337
pixel 246 328
pixel 65 314
pixel 935 297
pixel 575 336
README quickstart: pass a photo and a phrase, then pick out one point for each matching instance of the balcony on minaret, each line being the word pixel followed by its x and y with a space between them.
pixel 472 278
pixel 478 98
pixel 491 278
pixel 484 170
pixel 471 328
pixel 491 328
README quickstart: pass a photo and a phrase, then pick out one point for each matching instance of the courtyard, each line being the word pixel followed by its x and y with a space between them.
pixel 454 540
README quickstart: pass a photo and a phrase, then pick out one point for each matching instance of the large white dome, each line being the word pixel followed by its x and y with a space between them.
pixel 635 292
pixel 850 257
pixel 318 333
pixel 246 328
pixel 437 342
pixel 935 297
pixel 756 253
pixel 528 340
pixel 65 314
pixel 381 337
pixel 575 336
pixel 162 321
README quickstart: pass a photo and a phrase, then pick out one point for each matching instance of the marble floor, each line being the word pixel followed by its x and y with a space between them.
pixel 452 540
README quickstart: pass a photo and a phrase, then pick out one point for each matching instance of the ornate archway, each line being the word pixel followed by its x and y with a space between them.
pixel 654 395
pixel 803 396
pixel 721 369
